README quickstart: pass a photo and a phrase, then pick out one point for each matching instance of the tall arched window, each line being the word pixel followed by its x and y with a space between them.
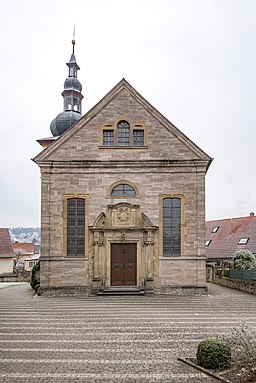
pixel 123 133
pixel 123 190
pixel 171 227
pixel 75 226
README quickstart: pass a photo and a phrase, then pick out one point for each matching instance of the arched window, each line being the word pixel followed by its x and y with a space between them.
pixel 171 227
pixel 75 227
pixel 123 133
pixel 123 190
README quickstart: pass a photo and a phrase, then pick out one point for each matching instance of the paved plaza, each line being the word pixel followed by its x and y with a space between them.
pixel 112 339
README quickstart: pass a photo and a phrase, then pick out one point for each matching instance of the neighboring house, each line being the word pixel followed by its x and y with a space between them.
pixel 27 252
pixel 37 249
pixel 123 198
pixel 224 237
pixel 34 258
pixel 6 252
pixel 31 261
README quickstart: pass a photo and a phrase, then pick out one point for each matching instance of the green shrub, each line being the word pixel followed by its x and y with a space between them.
pixel 244 260
pixel 35 276
pixel 213 353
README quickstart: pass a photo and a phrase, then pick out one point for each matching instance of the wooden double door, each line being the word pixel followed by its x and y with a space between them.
pixel 123 264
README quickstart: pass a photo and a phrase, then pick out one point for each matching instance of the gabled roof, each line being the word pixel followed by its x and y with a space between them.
pixel 23 248
pixel 123 84
pixel 6 250
pixel 225 241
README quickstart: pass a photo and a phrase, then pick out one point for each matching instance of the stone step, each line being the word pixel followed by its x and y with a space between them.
pixel 122 290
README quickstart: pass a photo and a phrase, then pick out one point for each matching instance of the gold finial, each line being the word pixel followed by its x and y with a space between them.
pixel 74 32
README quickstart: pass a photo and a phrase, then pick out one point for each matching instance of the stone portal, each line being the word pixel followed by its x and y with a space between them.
pixel 123 249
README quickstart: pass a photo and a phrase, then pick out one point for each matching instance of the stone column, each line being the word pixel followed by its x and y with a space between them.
pixel 148 246
pixel 98 242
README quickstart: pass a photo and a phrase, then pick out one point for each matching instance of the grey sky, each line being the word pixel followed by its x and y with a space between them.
pixel 194 60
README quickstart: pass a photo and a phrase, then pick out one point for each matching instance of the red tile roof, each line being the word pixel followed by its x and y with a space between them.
pixel 6 250
pixel 224 242
pixel 23 248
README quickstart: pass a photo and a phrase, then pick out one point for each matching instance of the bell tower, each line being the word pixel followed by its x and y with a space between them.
pixel 72 98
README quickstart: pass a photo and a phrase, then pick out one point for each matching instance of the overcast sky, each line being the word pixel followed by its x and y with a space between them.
pixel 193 60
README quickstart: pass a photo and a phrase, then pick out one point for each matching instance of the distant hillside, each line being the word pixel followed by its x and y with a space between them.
pixel 25 234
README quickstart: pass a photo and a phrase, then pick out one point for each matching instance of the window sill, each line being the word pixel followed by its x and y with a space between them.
pixel 182 257
pixel 123 147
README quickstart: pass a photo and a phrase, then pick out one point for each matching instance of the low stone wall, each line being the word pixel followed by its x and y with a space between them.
pixel 238 284
pixel 20 276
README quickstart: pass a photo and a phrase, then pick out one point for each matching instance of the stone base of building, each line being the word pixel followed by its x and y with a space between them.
pixel 85 291
pixel 182 290
pixel 64 291
pixel 74 276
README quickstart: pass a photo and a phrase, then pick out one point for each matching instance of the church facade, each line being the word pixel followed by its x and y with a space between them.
pixel 123 199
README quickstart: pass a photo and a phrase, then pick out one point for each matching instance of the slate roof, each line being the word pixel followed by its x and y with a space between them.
pixel 23 248
pixel 6 249
pixel 225 241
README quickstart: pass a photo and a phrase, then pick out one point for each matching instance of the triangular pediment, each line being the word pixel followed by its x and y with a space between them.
pixel 82 142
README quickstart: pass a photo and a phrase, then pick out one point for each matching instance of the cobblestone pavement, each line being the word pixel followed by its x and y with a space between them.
pixel 112 339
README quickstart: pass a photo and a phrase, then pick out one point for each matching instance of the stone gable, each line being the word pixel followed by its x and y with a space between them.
pixel 163 139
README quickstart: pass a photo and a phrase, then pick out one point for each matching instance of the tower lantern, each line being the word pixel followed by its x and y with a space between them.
pixel 72 98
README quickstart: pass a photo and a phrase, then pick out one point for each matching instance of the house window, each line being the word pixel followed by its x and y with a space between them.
pixel 207 243
pixel 123 190
pixel 171 227
pixel 243 241
pixel 138 137
pixel 215 229
pixel 123 133
pixel 75 226
pixel 108 137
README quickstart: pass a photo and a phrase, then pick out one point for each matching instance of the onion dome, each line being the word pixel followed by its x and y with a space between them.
pixel 72 98
pixel 73 83
pixel 64 121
